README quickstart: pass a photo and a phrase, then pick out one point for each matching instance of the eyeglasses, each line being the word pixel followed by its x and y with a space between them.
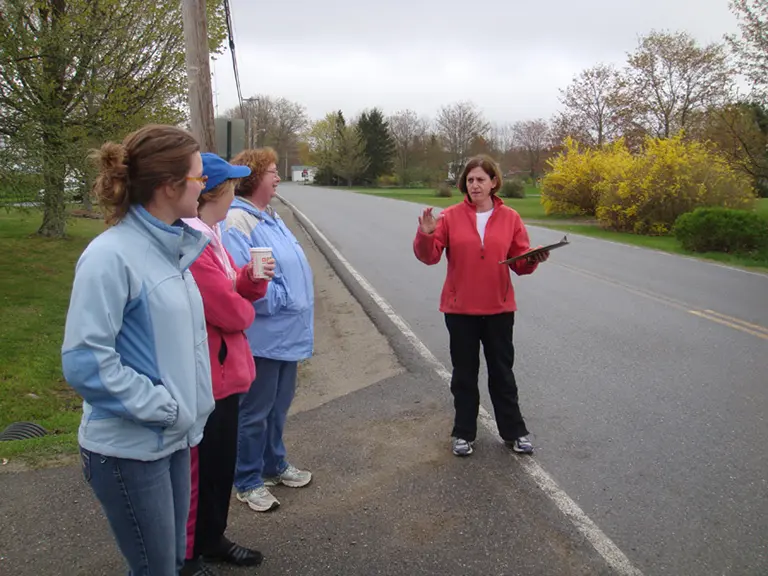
pixel 202 180
pixel 273 172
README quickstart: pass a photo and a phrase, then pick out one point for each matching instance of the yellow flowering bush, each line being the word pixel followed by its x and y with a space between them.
pixel 669 178
pixel 643 193
pixel 573 185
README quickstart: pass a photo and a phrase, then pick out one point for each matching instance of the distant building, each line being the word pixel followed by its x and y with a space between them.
pixel 304 174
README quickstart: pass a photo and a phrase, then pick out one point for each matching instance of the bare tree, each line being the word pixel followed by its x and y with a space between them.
pixel 407 130
pixel 275 122
pixel 740 132
pixel 592 106
pixel 671 81
pixel 751 48
pixel 502 137
pixel 258 113
pixel 458 125
pixel 290 120
pixel 533 137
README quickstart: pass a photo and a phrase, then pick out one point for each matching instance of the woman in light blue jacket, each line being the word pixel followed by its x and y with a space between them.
pixel 135 345
pixel 281 335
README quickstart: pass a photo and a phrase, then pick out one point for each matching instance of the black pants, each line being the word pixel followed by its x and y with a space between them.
pixel 495 332
pixel 217 455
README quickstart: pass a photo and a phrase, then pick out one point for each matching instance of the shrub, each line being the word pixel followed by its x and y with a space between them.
pixel 513 188
pixel 722 230
pixel 573 186
pixel 669 178
pixel 444 190
pixel 388 181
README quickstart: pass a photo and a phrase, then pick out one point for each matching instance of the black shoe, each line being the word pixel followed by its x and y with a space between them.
pixel 196 568
pixel 232 553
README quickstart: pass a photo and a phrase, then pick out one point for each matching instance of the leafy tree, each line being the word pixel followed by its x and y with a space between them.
pixel 323 142
pixel 350 161
pixel 75 72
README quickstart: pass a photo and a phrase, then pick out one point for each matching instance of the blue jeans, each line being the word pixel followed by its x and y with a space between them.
pixel 263 411
pixel 146 504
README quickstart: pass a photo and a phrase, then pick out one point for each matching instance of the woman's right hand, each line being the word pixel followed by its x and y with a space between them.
pixel 427 222
pixel 269 269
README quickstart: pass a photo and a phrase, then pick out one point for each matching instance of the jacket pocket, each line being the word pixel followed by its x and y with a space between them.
pixel 507 284
pixel 184 417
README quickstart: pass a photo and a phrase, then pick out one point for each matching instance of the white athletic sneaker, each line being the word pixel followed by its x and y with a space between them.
pixel 292 477
pixel 259 499
pixel 461 447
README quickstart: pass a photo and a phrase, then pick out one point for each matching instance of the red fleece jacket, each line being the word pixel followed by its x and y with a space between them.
pixel 228 312
pixel 476 284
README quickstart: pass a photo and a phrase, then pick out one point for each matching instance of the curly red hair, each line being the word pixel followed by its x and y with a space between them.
pixel 258 160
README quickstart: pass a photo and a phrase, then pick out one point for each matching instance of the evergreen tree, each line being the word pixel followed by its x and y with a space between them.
pixel 379 145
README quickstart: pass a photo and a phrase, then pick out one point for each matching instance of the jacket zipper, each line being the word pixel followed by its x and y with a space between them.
pixel 194 338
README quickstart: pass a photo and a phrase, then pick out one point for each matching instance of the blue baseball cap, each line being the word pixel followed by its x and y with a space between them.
pixel 219 170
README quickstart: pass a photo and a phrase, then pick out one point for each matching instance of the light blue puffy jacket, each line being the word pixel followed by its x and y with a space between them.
pixel 284 324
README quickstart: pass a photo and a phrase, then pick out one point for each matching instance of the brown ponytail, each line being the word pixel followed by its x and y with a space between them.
pixel 129 173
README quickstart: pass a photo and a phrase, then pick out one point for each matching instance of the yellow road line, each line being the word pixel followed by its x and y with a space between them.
pixel 757 327
pixel 713 318
pixel 711 315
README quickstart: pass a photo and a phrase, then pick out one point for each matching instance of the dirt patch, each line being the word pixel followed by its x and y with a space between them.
pixel 350 353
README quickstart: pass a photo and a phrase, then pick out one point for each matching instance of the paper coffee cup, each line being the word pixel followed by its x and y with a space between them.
pixel 259 257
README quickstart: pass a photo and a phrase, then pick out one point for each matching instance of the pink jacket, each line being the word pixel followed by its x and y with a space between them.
pixel 476 283
pixel 228 312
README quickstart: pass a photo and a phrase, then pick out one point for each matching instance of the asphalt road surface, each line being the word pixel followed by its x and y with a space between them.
pixel 643 377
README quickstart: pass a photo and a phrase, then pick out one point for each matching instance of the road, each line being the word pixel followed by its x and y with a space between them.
pixel 643 377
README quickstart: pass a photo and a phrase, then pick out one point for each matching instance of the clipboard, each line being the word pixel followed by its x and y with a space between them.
pixel 563 242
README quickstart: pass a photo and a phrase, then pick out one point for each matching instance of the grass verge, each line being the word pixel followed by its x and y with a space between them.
pixel 35 282
pixel 527 207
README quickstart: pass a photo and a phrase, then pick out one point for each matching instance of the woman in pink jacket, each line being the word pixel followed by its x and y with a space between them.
pixel 228 294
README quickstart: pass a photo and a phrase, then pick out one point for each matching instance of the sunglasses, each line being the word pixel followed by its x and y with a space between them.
pixel 202 180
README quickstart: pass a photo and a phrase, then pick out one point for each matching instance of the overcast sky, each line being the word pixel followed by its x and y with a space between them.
pixel 508 57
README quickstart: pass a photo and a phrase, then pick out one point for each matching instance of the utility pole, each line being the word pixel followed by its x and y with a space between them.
pixel 199 73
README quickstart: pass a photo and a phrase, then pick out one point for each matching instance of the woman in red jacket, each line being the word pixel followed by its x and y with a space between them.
pixel 228 294
pixel 478 299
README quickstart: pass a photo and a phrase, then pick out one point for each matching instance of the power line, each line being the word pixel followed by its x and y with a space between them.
pixel 228 13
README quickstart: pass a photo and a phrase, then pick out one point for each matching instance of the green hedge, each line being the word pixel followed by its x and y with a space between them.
pixel 722 230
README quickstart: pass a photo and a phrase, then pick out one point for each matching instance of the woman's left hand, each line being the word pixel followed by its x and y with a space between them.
pixel 538 258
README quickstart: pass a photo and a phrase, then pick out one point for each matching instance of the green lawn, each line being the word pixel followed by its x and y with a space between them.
pixel 529 207
pixel 762 207
pixel 35 282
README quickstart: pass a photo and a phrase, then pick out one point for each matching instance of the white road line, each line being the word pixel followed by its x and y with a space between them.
pixel 611 553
